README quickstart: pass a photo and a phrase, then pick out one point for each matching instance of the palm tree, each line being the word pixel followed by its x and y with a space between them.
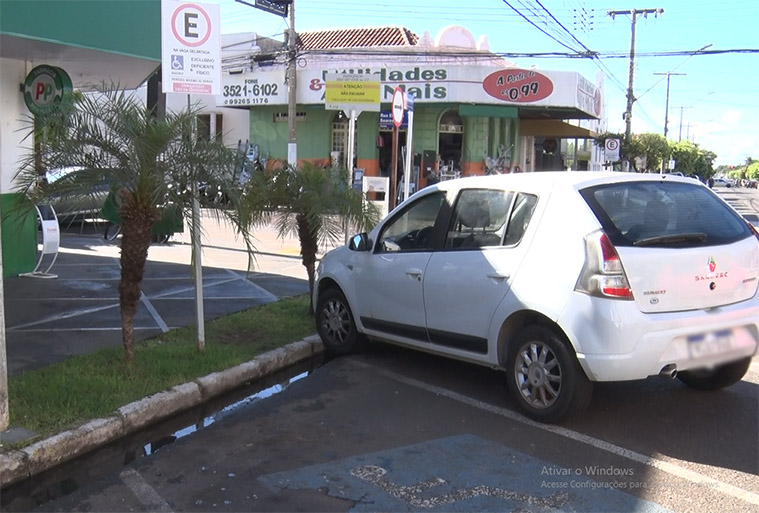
pixel 316 204
pixel 113 138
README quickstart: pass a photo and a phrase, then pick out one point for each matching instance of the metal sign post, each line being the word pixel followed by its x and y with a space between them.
pixel 409 138
pixel 191 63
pixel 398 106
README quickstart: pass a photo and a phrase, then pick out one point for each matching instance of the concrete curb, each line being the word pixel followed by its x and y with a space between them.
pixel 18 465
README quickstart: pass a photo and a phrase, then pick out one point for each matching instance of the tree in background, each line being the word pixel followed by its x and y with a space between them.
pixel 648 151
pixel 651 150
pixel 316 204
pixel 113 138
pixel 645 152
pixel 690 159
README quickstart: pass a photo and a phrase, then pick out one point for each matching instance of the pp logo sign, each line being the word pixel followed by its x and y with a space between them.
pixel 45 86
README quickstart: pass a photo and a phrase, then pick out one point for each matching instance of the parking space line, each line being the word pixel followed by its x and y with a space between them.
pixel 55 330
pixel 144 493
pixel 154 313
pixel 664 466
pixel 58 317
pixel 266 293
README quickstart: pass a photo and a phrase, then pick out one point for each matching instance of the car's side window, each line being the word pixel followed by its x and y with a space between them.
pixel 524 206
pixel 412 229
pixel 479 219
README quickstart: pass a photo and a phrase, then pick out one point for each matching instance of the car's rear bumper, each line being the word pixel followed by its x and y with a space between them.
pixel 620 343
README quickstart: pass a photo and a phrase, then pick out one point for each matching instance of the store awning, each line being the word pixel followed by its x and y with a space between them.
pixel 94 42
pixel 554 128
pixel 489 111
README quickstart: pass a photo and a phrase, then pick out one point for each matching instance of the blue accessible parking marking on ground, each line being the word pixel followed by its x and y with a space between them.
pixel 463 473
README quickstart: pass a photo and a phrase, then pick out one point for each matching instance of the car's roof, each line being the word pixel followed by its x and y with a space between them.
pixel 550 179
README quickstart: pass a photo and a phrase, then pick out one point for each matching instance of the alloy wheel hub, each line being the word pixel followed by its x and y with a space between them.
pixel 536 375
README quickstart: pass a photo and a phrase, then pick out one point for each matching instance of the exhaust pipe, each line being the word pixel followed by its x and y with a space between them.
pixel 669 371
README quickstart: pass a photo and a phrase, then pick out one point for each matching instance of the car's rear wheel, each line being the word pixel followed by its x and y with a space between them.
pixel 544 376
pixel 334 322
pixel 111 231
pixel 716 378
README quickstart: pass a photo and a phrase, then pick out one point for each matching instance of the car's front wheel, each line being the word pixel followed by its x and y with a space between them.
pixel 335 324
pixel 716 378
pixel 544 376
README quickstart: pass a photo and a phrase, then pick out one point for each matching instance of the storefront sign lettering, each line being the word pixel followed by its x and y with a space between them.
pixel 425 92
pixel 413 75
pixel 518 85
pixel 249 93
pixel 485 85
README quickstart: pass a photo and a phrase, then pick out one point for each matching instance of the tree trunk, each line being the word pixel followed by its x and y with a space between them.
pixel 309 246
pixel 136 230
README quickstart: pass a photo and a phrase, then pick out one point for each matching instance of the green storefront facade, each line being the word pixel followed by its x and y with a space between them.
pixel 482 133
pixel 463 112
pixel 93 42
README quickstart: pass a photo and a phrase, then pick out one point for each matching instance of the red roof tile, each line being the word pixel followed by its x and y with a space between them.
pixel 356 38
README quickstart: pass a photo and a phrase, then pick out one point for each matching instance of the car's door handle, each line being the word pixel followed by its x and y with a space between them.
pixel 498 277
pixel 414 273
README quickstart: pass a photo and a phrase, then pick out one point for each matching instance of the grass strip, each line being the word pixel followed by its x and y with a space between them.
pixel 65 394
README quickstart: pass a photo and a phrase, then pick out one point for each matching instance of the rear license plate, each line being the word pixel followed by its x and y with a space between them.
pixel 710 344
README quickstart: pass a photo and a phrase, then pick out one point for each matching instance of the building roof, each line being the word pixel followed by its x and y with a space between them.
pixel 356 38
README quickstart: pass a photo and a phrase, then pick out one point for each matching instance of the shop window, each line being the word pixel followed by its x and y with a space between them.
pixel 339 149
pixel 451 140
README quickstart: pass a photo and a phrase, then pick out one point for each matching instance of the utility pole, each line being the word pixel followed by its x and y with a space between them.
pixel 630 96
pixel 292 145
pixel 666 105
pixel 280 7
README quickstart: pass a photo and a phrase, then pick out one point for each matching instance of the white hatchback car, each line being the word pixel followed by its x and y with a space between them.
pixel 558 278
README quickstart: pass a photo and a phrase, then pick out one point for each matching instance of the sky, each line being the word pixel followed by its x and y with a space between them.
pixel 713 96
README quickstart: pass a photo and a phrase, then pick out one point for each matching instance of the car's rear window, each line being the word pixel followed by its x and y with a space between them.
pixel 664 213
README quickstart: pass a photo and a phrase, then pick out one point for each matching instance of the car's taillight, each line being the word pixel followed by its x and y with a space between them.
pixel 603 274
pixel 753 229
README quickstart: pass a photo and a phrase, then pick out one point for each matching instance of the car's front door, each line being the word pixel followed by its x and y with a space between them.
pixel 390 279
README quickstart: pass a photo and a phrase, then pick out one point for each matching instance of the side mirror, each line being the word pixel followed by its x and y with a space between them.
pixel 359 242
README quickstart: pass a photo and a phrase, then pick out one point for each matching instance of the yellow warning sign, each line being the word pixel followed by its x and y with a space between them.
pixel 352 90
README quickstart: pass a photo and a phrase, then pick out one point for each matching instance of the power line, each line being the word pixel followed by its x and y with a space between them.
pixel 539 28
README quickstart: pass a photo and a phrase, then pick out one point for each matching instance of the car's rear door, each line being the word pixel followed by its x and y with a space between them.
pixel 467 279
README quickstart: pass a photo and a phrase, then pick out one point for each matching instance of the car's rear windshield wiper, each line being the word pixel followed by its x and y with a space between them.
pixel 665 240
